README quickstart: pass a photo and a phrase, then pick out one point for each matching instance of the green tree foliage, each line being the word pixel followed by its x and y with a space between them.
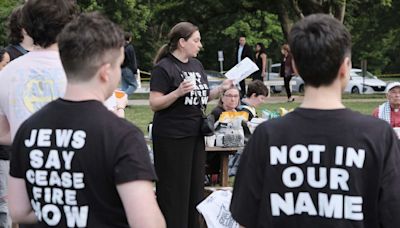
pixel 372 23
pixel 6 7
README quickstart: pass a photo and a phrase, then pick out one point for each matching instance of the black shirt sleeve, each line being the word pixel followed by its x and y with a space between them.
pixel 16 164
pixel 247 191
pixel 389 198
pixel 132 161
pixel 159 80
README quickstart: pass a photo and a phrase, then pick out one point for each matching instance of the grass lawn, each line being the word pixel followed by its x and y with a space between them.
pixel 142 115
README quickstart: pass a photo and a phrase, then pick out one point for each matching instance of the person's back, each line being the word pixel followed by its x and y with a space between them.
pixel 321 165
pixel 74 163
pixel 324 168
pixel 74 159
pixel 28 83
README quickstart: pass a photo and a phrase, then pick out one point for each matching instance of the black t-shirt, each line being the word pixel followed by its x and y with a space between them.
pixel 183 117
pixel 72 155
pixel 319 168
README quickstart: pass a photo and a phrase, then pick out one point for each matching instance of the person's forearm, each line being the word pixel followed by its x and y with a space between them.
pixel 160 102
pixel 28 218
pixel 215 93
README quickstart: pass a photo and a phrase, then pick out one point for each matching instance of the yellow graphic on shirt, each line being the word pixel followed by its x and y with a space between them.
pixel 38 93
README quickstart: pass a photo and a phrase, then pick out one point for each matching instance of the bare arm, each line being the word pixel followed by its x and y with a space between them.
pixel 159 101
pixel 5 135
pixel 18 202
pixel 140 204
pixel 264 64
pixel 215 93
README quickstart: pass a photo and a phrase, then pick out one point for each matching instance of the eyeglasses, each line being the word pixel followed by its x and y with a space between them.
pixel 231 95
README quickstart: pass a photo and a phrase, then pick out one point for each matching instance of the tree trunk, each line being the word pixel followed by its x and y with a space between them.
pixel 285 21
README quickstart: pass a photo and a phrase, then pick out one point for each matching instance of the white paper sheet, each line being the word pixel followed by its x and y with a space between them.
pixel 242 70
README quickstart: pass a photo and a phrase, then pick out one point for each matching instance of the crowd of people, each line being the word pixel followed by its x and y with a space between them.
pixel 73 163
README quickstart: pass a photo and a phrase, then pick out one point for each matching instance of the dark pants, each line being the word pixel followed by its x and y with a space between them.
pixel 179 165
pixel 242 88
pixel 286 80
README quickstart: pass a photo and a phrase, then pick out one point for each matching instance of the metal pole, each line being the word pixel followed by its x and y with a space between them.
pixel 364 72
pixel 269 63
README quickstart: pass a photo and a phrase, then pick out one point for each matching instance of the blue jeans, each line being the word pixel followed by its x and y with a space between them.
pixel 4 217
pixel 128 81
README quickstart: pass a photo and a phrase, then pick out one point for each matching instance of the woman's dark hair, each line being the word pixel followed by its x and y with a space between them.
pixel 15 26
pixel 262 47
pixel 181 30
pixel 43 20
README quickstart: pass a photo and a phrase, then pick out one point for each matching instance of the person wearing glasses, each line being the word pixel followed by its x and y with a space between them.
pixel 229 101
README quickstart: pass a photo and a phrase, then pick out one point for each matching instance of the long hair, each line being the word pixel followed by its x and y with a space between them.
pixel 181 30
pixel 262 48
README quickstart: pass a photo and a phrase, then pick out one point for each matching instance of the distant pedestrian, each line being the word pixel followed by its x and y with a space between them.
pixel 129 81
pixel 287 71
pixel 261 61
pixel 243 50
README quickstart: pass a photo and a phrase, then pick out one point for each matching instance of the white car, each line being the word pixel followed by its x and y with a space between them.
pixel 357 84
pixel 274 75
pixel 369 84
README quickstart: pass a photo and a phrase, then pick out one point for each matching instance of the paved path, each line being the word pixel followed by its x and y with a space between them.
pixel 274 99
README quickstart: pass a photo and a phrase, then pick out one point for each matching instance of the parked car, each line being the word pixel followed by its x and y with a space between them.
pixel 357 84
pixel 369 84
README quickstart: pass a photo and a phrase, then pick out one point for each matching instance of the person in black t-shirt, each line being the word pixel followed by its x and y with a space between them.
pixel 76 164
pixel 321 165
pixel 178 91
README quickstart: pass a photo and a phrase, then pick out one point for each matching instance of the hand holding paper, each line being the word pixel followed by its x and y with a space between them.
pixel 242 70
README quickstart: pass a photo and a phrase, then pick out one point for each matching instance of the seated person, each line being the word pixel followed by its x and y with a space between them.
pixel 257 92
pixel 229 101
pixel 389 110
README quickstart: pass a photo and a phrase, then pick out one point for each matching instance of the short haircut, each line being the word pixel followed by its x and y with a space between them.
pixel 43 20
pixel 88 42
pixel 319 44
pixel 15 26
pixel 258 88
